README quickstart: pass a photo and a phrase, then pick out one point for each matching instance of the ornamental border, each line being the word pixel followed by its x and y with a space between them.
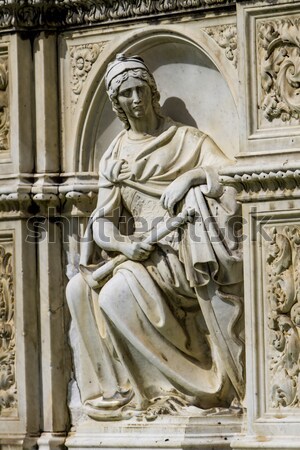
pixel 55 14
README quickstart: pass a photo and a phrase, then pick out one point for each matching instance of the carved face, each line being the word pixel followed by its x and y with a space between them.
pixel 135 98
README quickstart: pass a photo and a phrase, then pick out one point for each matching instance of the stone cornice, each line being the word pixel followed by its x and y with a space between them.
pixel 23 195
pixel 54 14
pixel 254 184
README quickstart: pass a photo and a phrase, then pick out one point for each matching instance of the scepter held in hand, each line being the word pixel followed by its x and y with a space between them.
pixel 155 236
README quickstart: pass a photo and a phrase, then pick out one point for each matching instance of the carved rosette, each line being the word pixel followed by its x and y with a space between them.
pixel 8 388
pixel 283 297
pixel 82 60
pixel 4 105
pixel 226 37
pixel 278 52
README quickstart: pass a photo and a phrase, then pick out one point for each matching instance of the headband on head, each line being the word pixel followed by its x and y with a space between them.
pixel 121 64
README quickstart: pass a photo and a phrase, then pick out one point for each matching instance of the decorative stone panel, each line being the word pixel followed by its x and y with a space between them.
pixel 82 59
pixel 278 59
pixel 270 78
pixel 4 104
pixel 271 237
pixel 20 414
pixel 8 388
pixel 283 314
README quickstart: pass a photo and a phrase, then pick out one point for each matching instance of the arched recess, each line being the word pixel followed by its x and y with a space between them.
pixel 198 86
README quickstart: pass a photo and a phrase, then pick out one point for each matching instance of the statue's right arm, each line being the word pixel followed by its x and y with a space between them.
pixel 105 230
pixel 108 237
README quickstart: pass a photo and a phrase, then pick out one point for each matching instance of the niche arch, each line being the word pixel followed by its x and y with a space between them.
pixel 198 86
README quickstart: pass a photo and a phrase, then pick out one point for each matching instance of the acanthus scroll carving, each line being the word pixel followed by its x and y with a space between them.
pixel 8 390
pixel 226 37
pixel 279 50
pixel 82 59
pixel 283 294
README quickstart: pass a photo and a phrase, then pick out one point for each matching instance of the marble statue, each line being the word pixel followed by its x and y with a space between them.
pixel 157 315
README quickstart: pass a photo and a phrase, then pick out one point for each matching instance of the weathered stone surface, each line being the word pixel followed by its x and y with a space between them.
pixel 229 69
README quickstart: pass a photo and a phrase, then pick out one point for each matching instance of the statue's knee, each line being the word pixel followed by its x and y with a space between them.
pixel 75 290
pixel 109 296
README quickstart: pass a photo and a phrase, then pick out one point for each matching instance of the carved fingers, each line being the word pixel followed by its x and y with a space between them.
pixel 124 171
pixel 118 170
pixel 174 193
pixel 137 251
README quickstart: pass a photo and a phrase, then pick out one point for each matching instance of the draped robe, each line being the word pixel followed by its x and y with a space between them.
pixel 168 326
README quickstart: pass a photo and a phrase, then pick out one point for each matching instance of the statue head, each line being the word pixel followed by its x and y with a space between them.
pixel 119 71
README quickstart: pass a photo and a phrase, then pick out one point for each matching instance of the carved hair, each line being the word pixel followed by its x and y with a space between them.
pixel 114 87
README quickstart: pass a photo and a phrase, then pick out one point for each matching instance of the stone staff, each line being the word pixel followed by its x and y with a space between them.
pixel 159 233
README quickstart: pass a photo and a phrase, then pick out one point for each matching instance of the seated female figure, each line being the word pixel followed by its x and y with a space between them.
pixel 151 337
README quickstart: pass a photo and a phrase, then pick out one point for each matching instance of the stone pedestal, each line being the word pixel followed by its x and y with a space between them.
pixel 166 432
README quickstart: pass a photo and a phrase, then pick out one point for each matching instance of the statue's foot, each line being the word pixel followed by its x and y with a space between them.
pixel 171 405
pixel 109 408
pixel 123 413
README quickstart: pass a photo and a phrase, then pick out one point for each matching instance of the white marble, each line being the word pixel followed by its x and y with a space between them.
pixel 142 348
pixel 230 71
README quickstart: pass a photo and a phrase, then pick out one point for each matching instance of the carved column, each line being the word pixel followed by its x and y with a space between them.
pixel 19 348
pixel 49 226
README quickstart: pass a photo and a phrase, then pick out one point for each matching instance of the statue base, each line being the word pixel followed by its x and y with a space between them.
pixel 166 432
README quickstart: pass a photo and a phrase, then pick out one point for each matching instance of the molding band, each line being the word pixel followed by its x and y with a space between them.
pixel 54 14
pixel 260 185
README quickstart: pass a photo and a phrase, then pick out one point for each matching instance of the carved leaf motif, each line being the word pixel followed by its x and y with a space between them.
pixel 226 37
pixel 284 316
pixel 8 400
pixel 279 50
pixel 59 13
pixel 82 60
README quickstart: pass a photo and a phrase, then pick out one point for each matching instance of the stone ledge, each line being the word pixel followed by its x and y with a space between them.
pixel 266 442
pixel 215 432
pixel 254 184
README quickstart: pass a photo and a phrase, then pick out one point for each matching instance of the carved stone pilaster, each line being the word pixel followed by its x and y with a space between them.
pixel 8 388
pixel 226 37
pixel 282 293
pixel 278 53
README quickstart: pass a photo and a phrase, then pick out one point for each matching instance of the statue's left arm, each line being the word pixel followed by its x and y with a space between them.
pixel 206 173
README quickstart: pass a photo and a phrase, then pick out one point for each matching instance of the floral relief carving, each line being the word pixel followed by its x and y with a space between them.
pixel 4 106
pixel 82 60
pixel 62 13
pixel 279 50
pixel 283 295
pixel 226 37
pixel 8 389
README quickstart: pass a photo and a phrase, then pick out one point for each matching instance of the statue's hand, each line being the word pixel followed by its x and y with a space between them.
pixel 137 251
pixel 124 172
pixel 175 192
pixel 118 170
